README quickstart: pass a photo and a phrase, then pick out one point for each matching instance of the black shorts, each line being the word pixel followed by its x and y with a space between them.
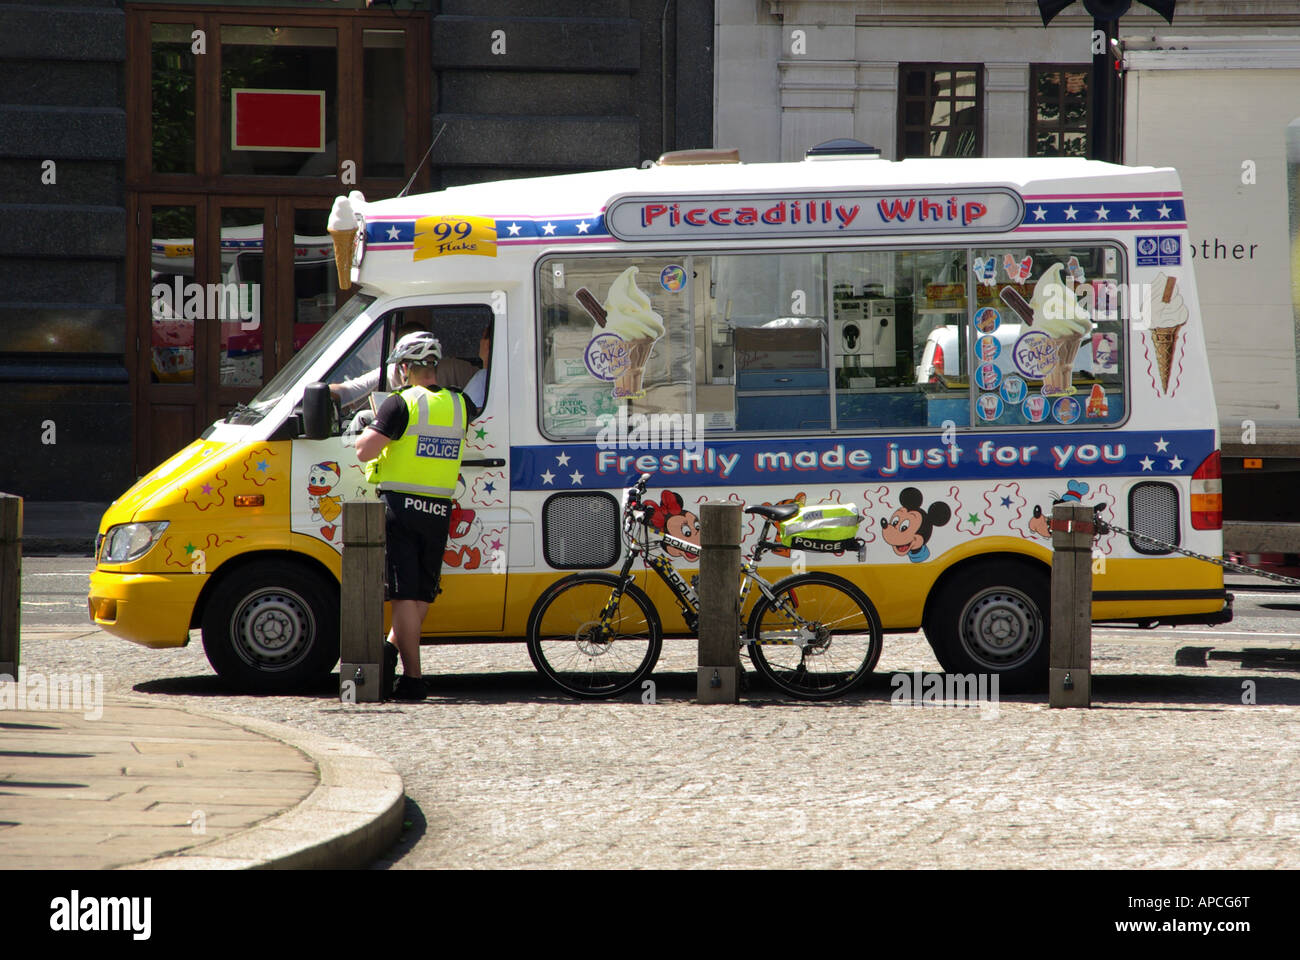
pixel 416 528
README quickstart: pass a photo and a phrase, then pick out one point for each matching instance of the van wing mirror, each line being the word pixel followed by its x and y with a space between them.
pixel 317 411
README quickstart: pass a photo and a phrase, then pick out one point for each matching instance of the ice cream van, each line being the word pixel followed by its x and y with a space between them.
pixel 750 332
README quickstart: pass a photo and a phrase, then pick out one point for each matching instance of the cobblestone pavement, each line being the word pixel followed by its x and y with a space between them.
pixel 1169 769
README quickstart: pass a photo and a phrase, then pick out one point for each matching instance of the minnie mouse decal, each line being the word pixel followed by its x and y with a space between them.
pixel 671 516
pixel 909 529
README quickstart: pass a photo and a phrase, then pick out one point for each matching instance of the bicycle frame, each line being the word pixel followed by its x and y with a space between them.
pixel 684 592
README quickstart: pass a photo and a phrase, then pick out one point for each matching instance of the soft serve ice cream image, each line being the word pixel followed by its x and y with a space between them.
pixel 1168 314
pixel 627 314
pixel 342 228
pixel 1062 314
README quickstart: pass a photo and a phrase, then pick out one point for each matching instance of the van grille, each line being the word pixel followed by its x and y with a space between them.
pixel 580 531
pixel 1153 511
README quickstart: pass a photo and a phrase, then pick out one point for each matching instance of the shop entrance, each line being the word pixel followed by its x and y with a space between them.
pixel 230 288
pixel 242 126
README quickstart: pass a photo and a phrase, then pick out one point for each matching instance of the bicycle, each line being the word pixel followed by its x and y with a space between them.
pixel 597 635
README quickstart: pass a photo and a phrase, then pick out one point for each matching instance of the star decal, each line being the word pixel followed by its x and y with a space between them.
pixel 1040 213
pixel 393 232
pixel 548 229
pixel 263 466
pixel 974 519
pixel 1134 212
pixel 1070 212
pixel 1164 211
pixel 1103 213
pixel 1176 463
pixel 513 229
pixel 480 433
pixel 575 478
pixel 207 489
pixel 190 548
pixel 547 477
pixel 562 459
pixel 490 487
pixel 1162 445
pixel 583 226
pixel 1147 463
pixel 496 544
pixel 1006 501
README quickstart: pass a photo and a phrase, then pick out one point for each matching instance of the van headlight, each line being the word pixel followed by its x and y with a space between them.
pixel 130 541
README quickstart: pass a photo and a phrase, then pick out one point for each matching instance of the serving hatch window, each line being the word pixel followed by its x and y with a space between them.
pixel 846 342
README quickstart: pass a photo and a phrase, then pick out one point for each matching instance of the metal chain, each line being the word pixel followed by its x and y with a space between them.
pixel 1104 527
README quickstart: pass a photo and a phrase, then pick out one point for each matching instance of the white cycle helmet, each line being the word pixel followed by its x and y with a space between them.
pixel 418 347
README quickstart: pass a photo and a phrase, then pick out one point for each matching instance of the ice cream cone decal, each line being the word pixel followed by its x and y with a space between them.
pixel 1169 316
pixel 628 315
pixel 1060 311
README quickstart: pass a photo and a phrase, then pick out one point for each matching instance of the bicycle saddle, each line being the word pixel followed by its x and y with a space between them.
pixel 778 513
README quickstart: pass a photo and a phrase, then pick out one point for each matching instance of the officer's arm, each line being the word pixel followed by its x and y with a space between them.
pixel 370 444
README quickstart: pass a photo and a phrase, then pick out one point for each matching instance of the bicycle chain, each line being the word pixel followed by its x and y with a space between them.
pixel 1104 527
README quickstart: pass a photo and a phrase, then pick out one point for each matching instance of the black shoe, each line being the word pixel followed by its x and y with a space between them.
pixel 390 670
pixel 410 688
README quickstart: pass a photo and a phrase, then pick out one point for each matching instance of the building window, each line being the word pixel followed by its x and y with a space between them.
pixel 940 110
pixel 1058 110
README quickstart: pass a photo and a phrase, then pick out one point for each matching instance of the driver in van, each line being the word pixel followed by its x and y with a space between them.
pixel 458 374
pixel 414 450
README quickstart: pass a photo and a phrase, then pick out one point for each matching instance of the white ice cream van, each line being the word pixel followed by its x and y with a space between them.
pixel 750 332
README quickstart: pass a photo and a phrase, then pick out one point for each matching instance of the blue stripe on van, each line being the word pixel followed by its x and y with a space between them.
pixel 774 461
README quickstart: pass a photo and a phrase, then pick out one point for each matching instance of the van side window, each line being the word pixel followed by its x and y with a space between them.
pixel 1048 338
pixel 766 346
pixel 616 332
pixel 899 339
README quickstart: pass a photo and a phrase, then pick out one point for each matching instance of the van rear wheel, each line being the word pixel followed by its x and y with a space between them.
pixel 272 627
pixel 994 618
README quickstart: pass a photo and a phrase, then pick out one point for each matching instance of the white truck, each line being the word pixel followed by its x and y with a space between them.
pixel 1225 111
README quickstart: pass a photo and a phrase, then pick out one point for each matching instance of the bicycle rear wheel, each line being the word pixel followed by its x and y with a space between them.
pixel 818 640
pixel 569 646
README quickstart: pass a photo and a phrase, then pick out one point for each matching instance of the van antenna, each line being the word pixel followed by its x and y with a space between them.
pixel 406 188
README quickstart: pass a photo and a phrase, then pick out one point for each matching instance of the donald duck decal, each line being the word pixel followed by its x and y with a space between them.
pixel 325 506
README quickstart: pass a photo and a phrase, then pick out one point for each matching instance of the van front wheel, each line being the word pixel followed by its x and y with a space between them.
pixel 272 627
pixel 994 619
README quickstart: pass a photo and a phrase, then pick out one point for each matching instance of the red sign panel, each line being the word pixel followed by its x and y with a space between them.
pixel 277 120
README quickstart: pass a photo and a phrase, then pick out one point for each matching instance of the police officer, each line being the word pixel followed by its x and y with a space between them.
pixel 414 449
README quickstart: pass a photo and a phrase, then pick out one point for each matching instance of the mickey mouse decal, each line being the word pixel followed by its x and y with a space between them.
pixel 908 530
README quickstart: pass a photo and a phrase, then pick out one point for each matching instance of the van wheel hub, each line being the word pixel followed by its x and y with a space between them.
pixel 1001 628
pixel 272 627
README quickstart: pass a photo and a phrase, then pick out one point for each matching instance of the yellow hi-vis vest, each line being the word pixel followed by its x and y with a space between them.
pixel 426 458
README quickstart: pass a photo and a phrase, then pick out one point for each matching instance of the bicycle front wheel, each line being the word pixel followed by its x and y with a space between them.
pixel 587 644
pixel 819 638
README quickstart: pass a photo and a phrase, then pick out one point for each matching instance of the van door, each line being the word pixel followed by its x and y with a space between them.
pixel 327 472
pixel 474 564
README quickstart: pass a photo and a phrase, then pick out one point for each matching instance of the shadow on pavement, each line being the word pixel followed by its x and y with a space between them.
pixel 414 827
pixel 529 687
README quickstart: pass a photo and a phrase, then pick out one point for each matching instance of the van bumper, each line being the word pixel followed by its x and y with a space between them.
pixel 151 609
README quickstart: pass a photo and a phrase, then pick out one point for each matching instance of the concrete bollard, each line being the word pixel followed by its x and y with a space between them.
pixel 361 607
pixel 11 586
pixel 1070 663
pixel 719 597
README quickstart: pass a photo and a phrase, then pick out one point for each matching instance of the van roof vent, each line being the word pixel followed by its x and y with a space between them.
pixel 687 157
pixel 843 148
